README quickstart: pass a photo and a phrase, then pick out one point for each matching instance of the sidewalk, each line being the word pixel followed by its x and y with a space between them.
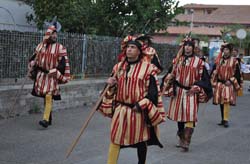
pixel 22 141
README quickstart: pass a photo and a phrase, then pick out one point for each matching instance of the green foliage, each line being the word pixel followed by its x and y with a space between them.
pixel 229 35
pixel 106 17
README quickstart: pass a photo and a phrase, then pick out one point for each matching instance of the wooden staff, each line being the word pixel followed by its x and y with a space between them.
pixel 26 78
pixel 93 110
pixel 11 112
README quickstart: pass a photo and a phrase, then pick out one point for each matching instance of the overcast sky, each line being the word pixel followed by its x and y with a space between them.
pixel 216 2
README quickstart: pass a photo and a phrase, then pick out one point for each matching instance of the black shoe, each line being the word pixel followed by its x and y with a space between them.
pixel 44 123
pixel 221 123
pixel 226 124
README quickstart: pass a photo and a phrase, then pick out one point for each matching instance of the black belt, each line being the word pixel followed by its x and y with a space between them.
pixel 222 81
pixel 182 86
pixel 42 70
pixel 126 104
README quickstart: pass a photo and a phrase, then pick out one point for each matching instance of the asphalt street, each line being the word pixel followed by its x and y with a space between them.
pixel 22 141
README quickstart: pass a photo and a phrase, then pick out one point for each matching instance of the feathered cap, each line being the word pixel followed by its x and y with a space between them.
pixel 53 26
pixel 227 45
pixel 131 40
pixel 224 45
pixel 188 41
pixel 49 32
pixel 145 39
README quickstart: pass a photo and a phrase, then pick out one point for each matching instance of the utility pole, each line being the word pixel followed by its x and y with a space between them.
pixel 192 19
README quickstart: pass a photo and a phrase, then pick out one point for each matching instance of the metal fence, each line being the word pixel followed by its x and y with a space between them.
pixel 17 47
pixel 101 55
pixel 90 56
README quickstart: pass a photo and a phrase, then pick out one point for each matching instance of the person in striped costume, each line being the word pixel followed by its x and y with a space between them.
pixel 188 84
pixel 134 104
pixel 235 54
pixel 49 67
pixel 226 81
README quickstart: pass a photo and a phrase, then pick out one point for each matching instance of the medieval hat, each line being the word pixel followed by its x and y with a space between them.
pixel 49 32
pixel 227 45
pixel 189 41
pixel 224 45
pixel 131 40
pixel 145 39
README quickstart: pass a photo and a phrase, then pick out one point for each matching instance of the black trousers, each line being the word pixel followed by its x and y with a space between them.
pixel 142 152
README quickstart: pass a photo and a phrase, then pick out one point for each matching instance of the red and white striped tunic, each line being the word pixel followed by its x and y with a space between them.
pixel 183 107
pixel 128 127
pixel 223 72
pixel 48 58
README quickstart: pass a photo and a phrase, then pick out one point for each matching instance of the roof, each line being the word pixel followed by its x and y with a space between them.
pixel 223 14
pixel 215 31
pixel 199 6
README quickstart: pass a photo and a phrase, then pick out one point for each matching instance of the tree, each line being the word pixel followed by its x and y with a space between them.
pixel 106 17
pixel 229 35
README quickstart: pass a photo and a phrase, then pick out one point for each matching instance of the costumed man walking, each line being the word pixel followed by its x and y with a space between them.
pixel 49 67
pixel 149 53
pixel 235 54
pixel 225 79
pixel 188 84
pixel 134 104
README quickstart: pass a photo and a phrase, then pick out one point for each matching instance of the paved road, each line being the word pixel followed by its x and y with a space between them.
pixel 22 141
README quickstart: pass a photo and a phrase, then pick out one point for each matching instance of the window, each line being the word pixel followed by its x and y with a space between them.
pixel 209 11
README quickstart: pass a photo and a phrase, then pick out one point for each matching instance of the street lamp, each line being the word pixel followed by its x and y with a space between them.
pixel 192 19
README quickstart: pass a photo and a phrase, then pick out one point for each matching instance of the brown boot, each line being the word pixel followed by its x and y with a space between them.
pixel 187 139
pixel 180 134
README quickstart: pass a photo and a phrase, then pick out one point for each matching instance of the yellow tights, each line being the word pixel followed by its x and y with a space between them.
pixel 48 107
pixel 113 155
pixel 226 111
pixel 189 124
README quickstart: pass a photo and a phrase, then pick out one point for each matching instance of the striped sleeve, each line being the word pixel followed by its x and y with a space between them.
pixel 106 107
pixel 64 78
pixel 153 102
pixel 168 84
pixel 214 78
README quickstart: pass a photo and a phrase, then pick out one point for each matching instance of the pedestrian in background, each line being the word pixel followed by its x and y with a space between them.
pixel 49 67
pixel 236 55
pixel 226 80
pixel 187 84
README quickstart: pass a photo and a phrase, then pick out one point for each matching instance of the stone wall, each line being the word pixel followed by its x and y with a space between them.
pixel 78 93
